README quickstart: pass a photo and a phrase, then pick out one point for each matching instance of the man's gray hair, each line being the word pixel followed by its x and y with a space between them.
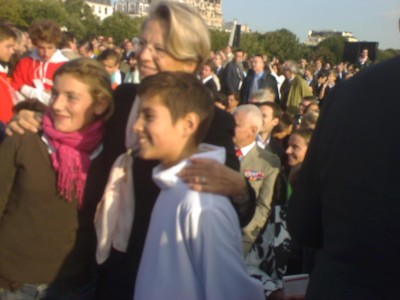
pixel 253 114
pixel 291 66
pixel 262 95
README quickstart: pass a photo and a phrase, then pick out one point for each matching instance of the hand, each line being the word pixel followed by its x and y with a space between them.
pixel 24 120
pixel 208 175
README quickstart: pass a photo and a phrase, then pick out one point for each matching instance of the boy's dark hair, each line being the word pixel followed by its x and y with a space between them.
pixel 6 32
pixel 67 37
pixel 87 45
pixel 109 54
pixel 181 93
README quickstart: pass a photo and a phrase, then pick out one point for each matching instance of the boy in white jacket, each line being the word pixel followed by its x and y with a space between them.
pixel 193 246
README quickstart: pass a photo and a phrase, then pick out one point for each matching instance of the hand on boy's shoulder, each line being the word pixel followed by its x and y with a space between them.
pixel 208 175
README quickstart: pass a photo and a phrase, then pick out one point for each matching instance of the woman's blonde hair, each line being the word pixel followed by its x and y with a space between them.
pixel 92 73
pixel 186 34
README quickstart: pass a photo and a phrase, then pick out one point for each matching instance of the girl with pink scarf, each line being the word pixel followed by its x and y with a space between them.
pixel 46 229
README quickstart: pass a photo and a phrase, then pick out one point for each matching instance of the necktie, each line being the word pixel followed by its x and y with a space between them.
pixel 239 153
pixel 254 86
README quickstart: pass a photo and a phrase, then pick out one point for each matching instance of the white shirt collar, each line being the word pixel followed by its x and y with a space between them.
pixel 3 69
pixel 166 178
pixel 207 79
pixel 247 148
pixel 262 144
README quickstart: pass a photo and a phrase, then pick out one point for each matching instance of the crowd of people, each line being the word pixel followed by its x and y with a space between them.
pixel 160 168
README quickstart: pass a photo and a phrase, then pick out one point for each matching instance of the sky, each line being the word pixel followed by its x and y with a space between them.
pixel 368 20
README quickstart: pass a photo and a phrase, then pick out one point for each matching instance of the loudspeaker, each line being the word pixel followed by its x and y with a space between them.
pixel 236 37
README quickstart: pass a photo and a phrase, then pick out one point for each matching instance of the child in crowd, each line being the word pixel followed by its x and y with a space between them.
pixel 296 152
pixel 132 76
pixel 232 100
pixel 46 227
pixel 7 40
pixel 193 246
pixel 110 58
pixel 33 75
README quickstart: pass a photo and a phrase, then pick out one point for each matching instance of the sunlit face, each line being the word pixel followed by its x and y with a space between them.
pixel 257 64
pixel 243 131
pixel 296 150
pixel 269 122
pixel 45 50
pixel 331 78
pixel 217 60
pixel 72 107
pixel 308 73
pixel 205 71
pixel 110 65
pixel 239 56
pixel 155 131
pixel 6 49
pixel 152 55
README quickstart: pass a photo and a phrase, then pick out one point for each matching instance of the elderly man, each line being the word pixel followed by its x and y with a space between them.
pixel 293 89
pixel 257 165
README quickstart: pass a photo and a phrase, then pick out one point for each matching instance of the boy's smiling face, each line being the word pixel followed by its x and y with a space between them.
pixel 158 137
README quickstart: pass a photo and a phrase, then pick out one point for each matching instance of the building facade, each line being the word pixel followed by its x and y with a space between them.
pixel 210 10
pixel 134 8
pixel 101 8
pixel 315 37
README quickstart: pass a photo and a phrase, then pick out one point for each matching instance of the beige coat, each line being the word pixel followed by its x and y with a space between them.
pixel 261 168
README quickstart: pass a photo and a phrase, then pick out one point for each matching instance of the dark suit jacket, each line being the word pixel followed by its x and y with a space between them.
pixel 276 147
pixel 212 86
pixel 346 201
pixel 267 80
pixel 116 277
pixel 231 77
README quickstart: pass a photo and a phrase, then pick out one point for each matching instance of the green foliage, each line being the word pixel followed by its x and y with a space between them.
pixel 252 43
pixel 50 9
pixel 82 22
pixel 331 49
pixel 78 18
pixel 121 26
pixel 219 39
pixel 10 12
pixel 386 54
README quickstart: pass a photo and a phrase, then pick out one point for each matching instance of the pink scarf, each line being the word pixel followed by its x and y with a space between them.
pixel 71 156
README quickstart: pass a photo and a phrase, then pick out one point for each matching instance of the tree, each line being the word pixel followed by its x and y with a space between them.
pixel 82 22
pixel 283 44
pixel 10 12
pixel 120 26
pixel 332 47
pixel 50 9
pixel 386 54
pixel 219 39
pixel 251 43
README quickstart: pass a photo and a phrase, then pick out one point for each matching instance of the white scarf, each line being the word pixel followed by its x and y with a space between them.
pixel 115 212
